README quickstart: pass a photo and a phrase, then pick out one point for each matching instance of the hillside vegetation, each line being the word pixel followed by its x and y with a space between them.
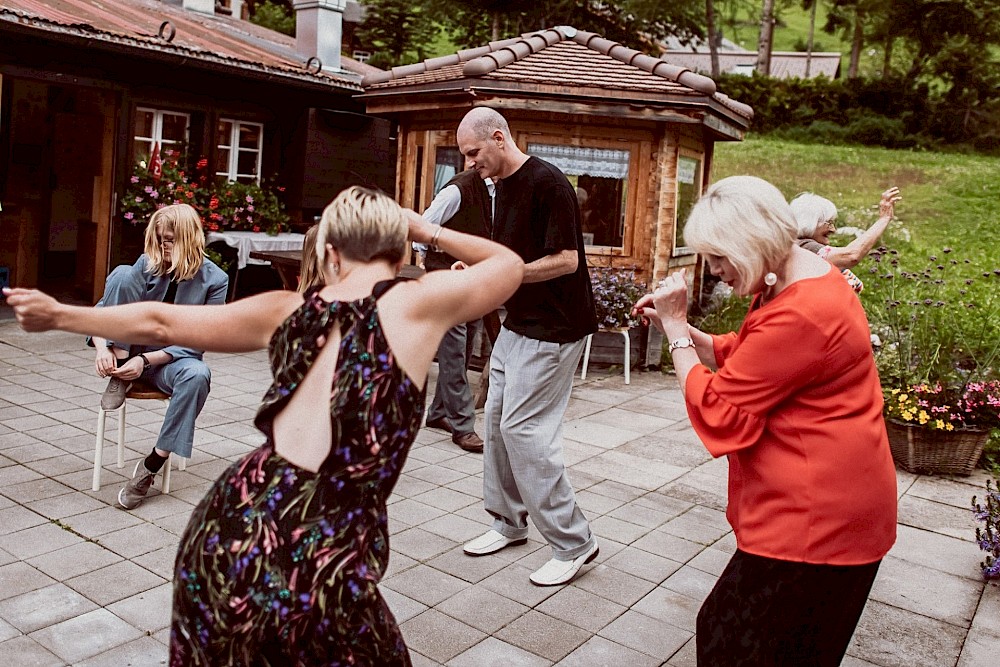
pixel 948 199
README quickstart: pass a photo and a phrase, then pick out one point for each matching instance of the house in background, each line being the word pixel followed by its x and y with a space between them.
pixel 634 135
pixel 87 87
pixel 734 59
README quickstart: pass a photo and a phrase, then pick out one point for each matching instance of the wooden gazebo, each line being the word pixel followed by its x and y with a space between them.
pixel 632 132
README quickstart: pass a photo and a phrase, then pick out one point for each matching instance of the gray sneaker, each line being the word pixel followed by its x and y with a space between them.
pixel 114 395
pixel 133 493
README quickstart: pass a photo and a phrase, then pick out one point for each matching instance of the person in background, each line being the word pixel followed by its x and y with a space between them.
pixel 793 400
pixel 535 355
pixel 172 269
pixel 280 561
pixel 310 273
pixel 464 204
pixel 816 219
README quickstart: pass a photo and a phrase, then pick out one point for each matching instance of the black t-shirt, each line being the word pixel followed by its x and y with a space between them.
pixel 537 214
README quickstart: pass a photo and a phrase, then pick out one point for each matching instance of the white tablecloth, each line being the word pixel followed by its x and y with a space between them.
pixel 244 242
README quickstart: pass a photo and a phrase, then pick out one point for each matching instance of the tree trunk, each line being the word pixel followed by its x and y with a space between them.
pixel 812 32
pixel 766 34
pixel 713 42
pixel 887 61
pixel 496 27
pixel 859 35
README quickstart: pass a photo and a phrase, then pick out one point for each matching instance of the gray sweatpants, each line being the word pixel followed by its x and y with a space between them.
pixel 524 473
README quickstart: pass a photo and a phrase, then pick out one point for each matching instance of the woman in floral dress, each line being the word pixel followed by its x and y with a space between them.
pixel 280 560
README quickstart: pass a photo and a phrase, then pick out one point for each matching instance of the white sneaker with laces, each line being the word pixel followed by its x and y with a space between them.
pixel 557 572
pixel 490 543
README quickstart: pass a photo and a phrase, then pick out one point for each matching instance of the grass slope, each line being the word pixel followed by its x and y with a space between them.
pixel 948 199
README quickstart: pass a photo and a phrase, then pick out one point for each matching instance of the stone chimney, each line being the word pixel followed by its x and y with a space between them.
pixel 318 30
pixel 203 6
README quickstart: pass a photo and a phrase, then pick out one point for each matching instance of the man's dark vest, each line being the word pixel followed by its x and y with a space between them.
pixel 474 216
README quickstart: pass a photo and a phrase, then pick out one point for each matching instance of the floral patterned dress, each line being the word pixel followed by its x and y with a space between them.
pixel 279 565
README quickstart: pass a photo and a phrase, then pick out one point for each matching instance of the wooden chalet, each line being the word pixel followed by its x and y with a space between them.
pixel 87 87
pixel 633 133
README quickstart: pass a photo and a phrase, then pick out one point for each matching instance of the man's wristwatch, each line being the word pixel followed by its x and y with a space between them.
pixel 146 365
pixel 680 343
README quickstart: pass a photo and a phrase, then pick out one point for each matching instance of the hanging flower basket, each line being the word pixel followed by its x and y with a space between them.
pixel 920 449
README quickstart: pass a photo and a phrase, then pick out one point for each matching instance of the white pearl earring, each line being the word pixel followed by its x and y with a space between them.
pixel 770 279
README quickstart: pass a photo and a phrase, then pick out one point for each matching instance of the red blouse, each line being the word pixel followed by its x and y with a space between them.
pixel 797 407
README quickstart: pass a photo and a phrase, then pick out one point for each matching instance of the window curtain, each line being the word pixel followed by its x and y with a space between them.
pixel 582 161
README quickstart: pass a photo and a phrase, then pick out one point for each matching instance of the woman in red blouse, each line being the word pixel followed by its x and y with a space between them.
pixel 793 400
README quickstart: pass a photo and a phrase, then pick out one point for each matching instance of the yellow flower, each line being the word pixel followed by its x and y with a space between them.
pixel 924 417
pixel 949 427
pixel 903 397
pixel 939 423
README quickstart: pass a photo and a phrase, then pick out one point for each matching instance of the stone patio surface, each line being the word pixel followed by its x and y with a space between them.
pixel 85 583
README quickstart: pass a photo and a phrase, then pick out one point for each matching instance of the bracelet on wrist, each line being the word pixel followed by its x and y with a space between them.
pixel 434 239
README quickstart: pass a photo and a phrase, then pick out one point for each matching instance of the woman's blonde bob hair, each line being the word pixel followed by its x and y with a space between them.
pixel 188 250
pixel 811 211
pixel 363 225
pixel 746 220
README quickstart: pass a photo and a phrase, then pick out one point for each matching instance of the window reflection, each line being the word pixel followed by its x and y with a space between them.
pixel 600 176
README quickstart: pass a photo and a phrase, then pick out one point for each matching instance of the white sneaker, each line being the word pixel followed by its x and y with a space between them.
pixel 490 543
pixel 557 572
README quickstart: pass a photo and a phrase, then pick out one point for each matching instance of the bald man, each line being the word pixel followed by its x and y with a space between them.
pixel 536 354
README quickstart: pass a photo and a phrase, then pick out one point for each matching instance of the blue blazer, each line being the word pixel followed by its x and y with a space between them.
pixel 208 286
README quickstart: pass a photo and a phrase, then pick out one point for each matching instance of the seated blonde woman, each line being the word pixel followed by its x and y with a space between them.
pixel 280 562
pixel 816 219
pixel 172 269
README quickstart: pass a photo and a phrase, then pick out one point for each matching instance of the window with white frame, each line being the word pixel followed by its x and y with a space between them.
pixel 169 129
pixel 361 56
pixel 240 147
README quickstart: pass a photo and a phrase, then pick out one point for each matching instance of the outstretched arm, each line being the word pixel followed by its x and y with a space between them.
pixel 855 251
pixel 240 326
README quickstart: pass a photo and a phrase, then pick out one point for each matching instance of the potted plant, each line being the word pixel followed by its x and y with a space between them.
pixel 615 292
pixel 938 338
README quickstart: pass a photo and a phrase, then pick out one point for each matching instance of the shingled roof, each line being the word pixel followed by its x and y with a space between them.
pixel 560 56
pixel 144 27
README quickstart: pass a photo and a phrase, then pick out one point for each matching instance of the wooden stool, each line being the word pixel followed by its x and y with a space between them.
pixel 628 353
pixel 142 391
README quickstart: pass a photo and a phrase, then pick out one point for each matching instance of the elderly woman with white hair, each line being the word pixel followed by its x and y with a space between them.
pixel 793 400
pixel 816 219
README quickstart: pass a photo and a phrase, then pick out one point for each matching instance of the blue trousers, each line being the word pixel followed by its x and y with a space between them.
pixel 187 380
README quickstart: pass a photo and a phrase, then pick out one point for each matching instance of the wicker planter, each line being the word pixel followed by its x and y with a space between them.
pixel 924 450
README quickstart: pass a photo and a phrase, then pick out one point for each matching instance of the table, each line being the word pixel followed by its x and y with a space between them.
pixel 246 243
pixel 288 264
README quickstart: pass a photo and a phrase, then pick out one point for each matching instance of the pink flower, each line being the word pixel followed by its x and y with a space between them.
pixel 250 208
pixel 249 199
pixel 129 215
pixel 134 179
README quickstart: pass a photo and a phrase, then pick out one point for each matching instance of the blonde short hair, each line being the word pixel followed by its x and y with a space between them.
pixel 811 211
pixel 363 225
pixel 188 250
pixel 746 220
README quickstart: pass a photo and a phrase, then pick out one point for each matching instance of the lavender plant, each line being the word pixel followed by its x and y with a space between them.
pixel 615 292
pixel 988 537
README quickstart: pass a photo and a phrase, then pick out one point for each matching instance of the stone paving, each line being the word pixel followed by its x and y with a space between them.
pixel 85 583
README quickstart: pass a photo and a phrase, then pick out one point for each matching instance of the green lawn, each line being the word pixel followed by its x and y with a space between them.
pixel 948 199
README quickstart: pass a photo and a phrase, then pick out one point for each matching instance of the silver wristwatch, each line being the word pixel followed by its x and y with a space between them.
pixel 680 343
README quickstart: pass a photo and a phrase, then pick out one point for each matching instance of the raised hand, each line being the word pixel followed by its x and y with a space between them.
pixel 887 204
